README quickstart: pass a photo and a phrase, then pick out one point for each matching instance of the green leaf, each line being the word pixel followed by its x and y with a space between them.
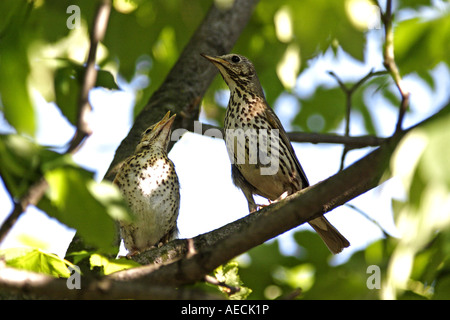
pixel 67 85
pixel 323 111
pixel 67 90
pixel 15 98
pixel 229 275
pixel 71 202
pixel 435 157
pixel 419 45
pixel 19 162
pixel 109 266
pixel 414 3
pixel 106 80
pixel 36 260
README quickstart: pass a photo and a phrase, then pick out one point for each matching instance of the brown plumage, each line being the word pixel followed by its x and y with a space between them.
pixel 263 160
pixel 149 183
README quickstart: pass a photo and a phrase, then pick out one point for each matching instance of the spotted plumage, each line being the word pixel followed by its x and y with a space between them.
pixel 263 160
pixel 149 183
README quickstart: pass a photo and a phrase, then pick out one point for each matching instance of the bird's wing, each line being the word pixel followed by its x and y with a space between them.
pixel 276 124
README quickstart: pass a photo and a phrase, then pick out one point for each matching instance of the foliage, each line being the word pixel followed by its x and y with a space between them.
pixel 41 55
pixel 36 260
pixel 229 275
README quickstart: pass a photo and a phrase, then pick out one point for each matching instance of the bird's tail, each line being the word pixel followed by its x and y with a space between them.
pixel 334 240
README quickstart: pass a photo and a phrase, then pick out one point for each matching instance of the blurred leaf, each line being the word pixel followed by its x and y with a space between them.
pixel 260 273
pixel 414 3
pixel 36 260
pixel 323 111
pixel 435 158
pixel 421 162
pixel 229 275
pixel 420 45
pixel 106 80
pixel 73 197
pixel 67 91
pixel 109 266
pixel 15 99
pixel 67 84
pixel 21 161
pixel 271 274
pixel 71 203
pixel 110 197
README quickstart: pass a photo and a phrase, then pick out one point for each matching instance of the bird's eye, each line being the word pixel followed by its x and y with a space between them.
pixel 235 59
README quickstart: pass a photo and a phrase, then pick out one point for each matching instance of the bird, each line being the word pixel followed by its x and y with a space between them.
pixel 149 184
pixel 263 161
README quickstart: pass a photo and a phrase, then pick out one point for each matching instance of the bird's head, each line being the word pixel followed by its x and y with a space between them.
pixel 157 134
pixel 237 71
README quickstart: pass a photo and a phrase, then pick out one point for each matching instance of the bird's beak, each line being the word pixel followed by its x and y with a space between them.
pixel 215 60
pixel 166 121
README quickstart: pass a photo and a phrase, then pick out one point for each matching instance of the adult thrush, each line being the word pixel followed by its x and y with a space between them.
pixel 149 183
pixel 263 160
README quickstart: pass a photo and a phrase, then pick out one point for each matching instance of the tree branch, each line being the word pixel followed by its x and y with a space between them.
pixel 350 142
pixel 44 286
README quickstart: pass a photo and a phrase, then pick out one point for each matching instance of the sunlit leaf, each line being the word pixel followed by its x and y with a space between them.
pixel 20 162
pixel 36 260
pixel 229 275
pixel 109 266
pixel 421 44
pixel 15 99
pixel 73 204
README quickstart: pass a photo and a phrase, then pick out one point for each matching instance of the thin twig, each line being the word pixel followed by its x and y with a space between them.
pixel 348 91
pixel 45 286
pixel 365 215
pixel 391 66
pixel 32 197
pixel 229 289
pixel 90 76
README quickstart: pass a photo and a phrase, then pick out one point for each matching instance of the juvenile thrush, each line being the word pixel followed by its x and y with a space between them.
pixel 149 183
pixel 263 161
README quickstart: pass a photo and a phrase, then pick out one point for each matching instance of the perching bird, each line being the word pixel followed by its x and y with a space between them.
pixel 263 160
pixel 149 183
